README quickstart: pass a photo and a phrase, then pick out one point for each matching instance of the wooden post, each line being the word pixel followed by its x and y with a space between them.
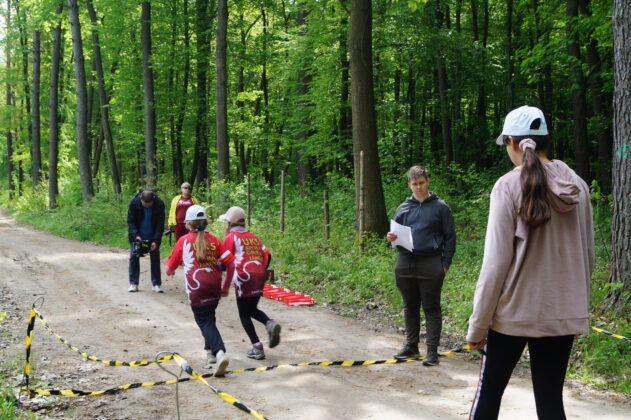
pixel 249 202
pixel 361 199
pixel 282 200
pixel 326 216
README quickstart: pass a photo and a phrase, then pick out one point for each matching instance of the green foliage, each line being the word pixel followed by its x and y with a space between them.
pixel 606 360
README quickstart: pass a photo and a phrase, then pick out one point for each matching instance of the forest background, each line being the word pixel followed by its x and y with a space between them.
pixel 106 97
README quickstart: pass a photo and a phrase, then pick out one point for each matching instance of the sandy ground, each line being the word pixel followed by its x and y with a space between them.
pixel 86 301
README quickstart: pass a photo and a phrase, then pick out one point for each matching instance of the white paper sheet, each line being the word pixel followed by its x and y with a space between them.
pixel 404 235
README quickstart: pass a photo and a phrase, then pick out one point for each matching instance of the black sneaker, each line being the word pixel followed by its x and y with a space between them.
pixel 432 357
pixel 408 351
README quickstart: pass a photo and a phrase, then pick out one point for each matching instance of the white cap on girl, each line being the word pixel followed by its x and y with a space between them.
pixel 518 121
pixel 195 212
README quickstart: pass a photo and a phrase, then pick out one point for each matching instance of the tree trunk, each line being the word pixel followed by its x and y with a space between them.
pixel 149 104
pixel 619 298
pixel 103 101
pixel 579 102
pixel 510 65
pixel 345 117
pixel 203 25
pixel 443 87
pixel 474 19
pixel 302 165
pixel 20 18
pixel 181 112
pixel 239 143
pixel 223 156
pixel 83 151
pixel 410 153
pixel 53 112
pixel 9 101
pixel 600 107
pixel 36 151
pixel 364 120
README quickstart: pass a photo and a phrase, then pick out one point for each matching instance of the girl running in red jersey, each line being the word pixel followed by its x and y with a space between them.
pixel 250 265
pixel 204 257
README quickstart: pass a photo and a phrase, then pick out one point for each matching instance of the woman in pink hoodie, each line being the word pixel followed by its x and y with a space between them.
pixel 533 286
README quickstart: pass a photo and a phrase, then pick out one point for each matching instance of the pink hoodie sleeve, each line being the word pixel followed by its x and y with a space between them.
pixel 498 254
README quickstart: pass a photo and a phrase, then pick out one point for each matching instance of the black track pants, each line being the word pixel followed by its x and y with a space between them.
pixel 248 309
pixel 548 362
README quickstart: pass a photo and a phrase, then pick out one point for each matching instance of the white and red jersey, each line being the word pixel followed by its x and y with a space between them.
pixel 202 279
pixel 250 261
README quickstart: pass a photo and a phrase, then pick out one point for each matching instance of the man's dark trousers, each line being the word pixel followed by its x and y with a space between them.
pixel 134 267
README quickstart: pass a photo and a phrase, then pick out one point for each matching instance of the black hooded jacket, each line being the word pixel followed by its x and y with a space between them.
pixel 135 213
pixel 433 231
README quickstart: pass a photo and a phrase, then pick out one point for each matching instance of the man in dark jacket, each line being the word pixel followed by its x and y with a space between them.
pixel 145 222
pixel 420 272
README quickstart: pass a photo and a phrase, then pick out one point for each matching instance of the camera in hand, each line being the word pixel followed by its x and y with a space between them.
pixel 141 248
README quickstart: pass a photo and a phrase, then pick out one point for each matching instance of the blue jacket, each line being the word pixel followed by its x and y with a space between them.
pixel 433 231
pixel 135 213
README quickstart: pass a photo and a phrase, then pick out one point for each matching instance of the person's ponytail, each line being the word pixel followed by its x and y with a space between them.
pixel 201 244
pixel 535 209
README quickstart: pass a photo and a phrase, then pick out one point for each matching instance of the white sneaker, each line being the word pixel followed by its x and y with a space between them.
pixel 133 288
pixel 157 289
pixel 222 363
pixel 211 357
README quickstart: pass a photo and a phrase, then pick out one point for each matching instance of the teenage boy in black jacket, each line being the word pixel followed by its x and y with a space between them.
pixel 145 222
pixel 420 273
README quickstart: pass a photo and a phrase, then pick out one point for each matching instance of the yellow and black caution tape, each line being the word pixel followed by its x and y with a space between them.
pixel 342 363
pixel 621 337
pixel 80 393
pixel 346 363
pixel 84 354
pixel 29 339
pixel 223 395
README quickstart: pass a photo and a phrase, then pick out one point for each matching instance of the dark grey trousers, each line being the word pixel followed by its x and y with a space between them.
pixel 420 280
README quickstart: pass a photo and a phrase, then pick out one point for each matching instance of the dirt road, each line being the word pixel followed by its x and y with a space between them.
pixel 86 301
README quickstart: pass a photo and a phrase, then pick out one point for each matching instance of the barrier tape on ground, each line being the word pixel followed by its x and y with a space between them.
pixel 621 337
pixel 223 395
pixel 342 363
pixel 81 393
pixel 84 354
pixel 346 363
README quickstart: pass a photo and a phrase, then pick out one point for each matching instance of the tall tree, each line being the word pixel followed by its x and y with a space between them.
pixel 83 151
pixel 106 131
pixel 149 105
pixel 443 87
pixel 9 101
pixel 53 112
pixel 600 105
pixel 223 158
pixel 181 111
pixel 579 101
pixel 510 65
pixel 302 91
pixel 621 226
pixel 345 117
pixel 36 152
pixel 364 120
pixel 200 159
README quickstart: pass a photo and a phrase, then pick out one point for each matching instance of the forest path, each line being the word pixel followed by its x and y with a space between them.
pixel 86 301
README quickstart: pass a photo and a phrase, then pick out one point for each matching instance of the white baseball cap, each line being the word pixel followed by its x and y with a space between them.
pixel 233 215
pixel 195 212
pixel 518 121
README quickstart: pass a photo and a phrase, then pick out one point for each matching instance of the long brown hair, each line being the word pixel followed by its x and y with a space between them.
pixel 535 208
pixel 200 239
